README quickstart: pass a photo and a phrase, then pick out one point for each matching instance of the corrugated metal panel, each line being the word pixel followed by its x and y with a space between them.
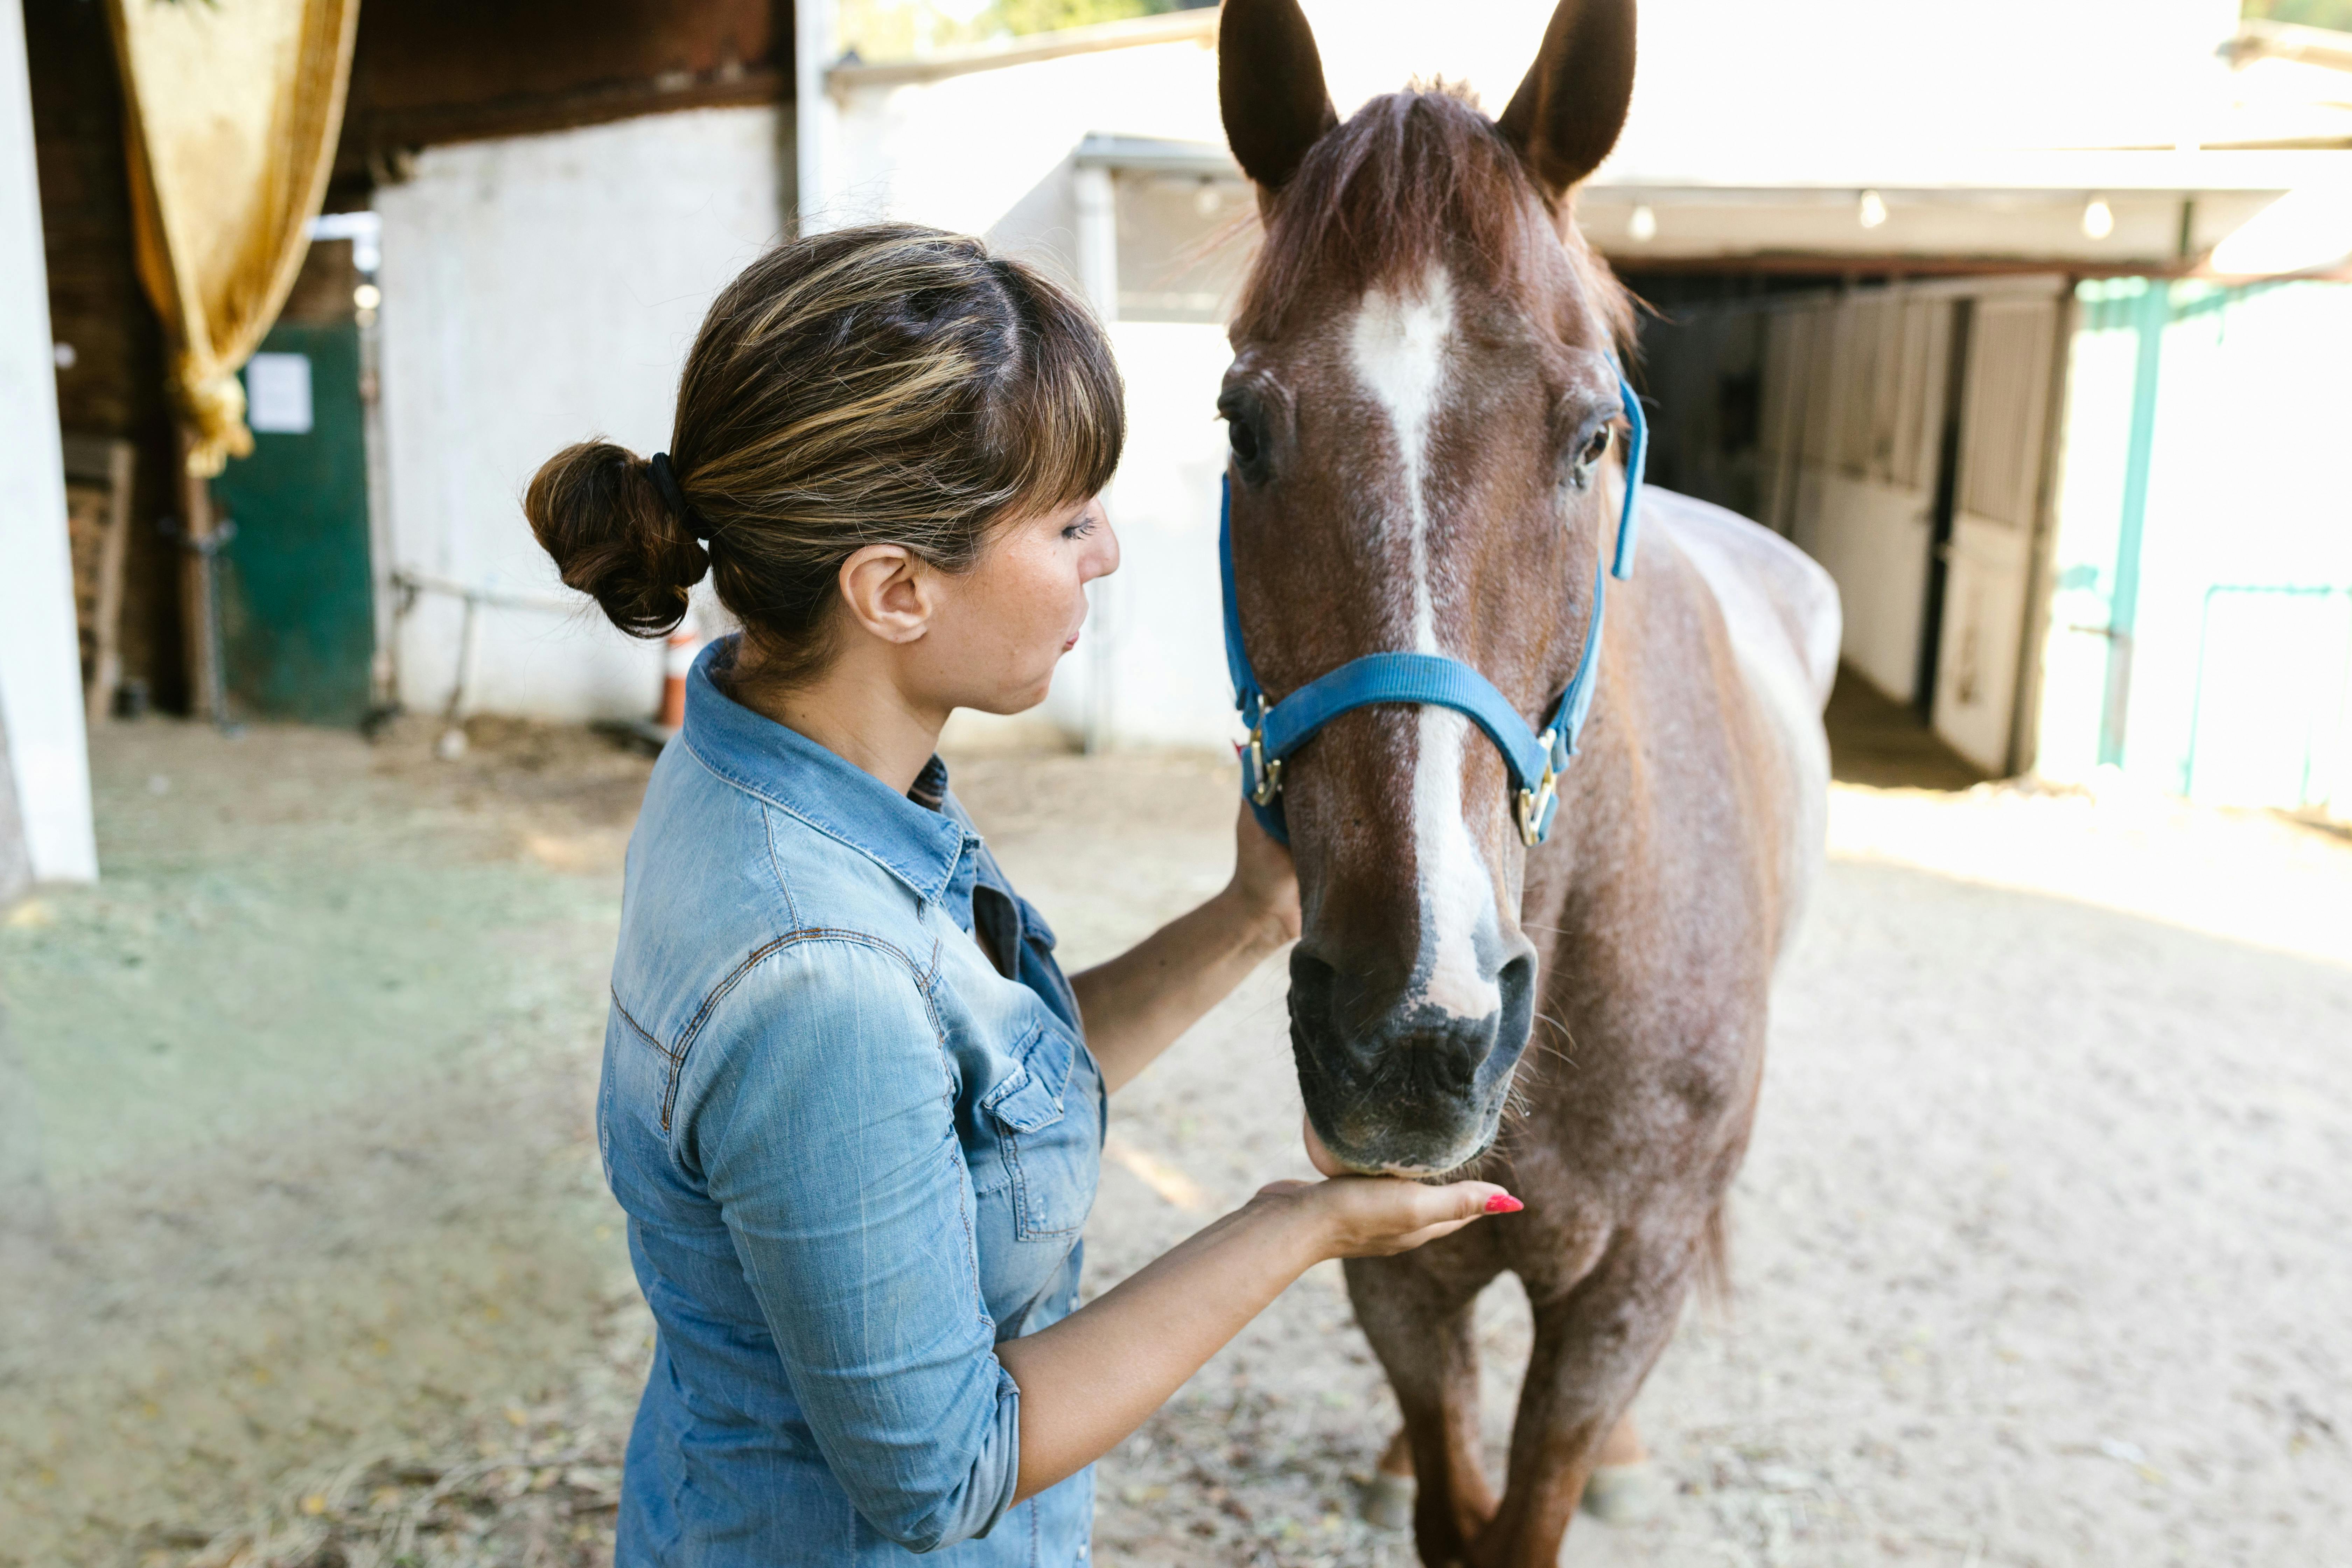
pixel 1914 426
pixel 2008 402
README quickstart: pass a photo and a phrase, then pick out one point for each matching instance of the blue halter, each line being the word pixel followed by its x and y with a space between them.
pixel 1534 762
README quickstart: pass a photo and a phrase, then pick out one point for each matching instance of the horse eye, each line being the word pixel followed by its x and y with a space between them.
pixel 1587 458
pixel 1244 437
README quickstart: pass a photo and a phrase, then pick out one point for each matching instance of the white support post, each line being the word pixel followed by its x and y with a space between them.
pixel 816 118
pixel 1097 204
pixel 1098 207
pixel 40 650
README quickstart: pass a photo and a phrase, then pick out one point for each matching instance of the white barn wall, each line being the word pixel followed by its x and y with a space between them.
pixel 964 152
pixel 539 290
pixel 1160 619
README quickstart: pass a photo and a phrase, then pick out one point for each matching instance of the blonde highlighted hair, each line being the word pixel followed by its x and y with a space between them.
pixel 888 384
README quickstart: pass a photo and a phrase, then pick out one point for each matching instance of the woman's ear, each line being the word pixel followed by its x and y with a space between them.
pixel 890 593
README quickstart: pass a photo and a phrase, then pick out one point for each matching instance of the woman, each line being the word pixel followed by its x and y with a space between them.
pixel 852 1109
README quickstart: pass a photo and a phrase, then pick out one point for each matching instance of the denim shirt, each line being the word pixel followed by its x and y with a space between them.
pixel 849 1112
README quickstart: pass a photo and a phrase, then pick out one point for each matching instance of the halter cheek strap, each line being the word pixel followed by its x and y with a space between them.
pixel 1534 762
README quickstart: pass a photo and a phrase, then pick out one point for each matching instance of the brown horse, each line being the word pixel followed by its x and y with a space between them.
pixel 1419 409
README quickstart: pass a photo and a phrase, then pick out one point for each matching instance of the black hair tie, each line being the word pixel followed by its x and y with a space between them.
pixel 666 480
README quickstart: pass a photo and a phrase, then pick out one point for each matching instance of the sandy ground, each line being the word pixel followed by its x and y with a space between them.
pixel 2039 1255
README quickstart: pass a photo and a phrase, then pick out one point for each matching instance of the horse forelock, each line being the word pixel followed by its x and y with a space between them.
pixel 1413 181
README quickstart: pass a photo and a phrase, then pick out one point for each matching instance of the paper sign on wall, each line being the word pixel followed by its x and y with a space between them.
pixel 278 394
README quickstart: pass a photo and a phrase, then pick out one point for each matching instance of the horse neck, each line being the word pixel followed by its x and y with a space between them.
pixel 1607 802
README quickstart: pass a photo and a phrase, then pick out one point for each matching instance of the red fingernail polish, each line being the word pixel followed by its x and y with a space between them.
pixel 1503 1203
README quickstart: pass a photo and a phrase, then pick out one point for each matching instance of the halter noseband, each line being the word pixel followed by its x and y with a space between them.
pixel 1533 762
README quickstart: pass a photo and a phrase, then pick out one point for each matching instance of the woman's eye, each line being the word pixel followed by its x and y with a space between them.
pixel 1244 437
pixel 1080 529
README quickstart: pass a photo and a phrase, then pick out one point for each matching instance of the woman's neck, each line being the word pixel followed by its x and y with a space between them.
pixel 854 708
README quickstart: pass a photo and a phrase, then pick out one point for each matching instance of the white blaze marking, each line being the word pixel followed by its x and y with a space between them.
pixel 1399 351
pixel 1398 345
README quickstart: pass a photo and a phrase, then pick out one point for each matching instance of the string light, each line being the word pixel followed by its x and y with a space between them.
pixel 1642 226
pixel 2098 218
pixel 1873 210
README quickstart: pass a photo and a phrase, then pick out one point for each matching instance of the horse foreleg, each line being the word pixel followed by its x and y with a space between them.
pixel 1420 1323
pixel 1593 1346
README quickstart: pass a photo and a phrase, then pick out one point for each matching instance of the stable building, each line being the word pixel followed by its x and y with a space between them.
pixel 2039 352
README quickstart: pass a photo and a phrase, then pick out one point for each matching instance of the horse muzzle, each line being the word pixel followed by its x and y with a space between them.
pixel 1395 1084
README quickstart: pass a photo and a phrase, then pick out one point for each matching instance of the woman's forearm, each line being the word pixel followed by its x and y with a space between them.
pixel 1135 1005
pixel 1092 1378
pixel 1089 1380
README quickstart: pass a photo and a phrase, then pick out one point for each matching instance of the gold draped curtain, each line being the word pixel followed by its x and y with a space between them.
pixel 235 107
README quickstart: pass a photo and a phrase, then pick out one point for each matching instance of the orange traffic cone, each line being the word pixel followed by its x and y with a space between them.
pixel 683 645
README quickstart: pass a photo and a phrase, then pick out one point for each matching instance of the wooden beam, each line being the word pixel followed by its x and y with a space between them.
pixel 374 143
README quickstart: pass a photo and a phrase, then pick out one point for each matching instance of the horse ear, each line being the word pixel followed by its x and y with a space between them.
pixel 1566 115
pixel 1270 87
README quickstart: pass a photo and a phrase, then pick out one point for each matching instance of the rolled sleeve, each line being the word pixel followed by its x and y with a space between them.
pixel 824 1132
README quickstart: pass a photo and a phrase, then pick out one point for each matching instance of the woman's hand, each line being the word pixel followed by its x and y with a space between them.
pixel 1377 1216
pixel 1265 883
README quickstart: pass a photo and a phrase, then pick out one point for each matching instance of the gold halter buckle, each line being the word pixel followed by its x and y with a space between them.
pixel 1267 773
pixel 1534 803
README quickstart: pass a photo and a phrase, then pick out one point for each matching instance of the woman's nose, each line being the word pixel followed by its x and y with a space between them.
pixel 1104 559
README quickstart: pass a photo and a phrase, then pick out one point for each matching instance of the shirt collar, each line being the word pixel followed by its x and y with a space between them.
pixel 924 849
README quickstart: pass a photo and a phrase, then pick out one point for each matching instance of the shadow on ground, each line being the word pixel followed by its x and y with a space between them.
pixel 1885 744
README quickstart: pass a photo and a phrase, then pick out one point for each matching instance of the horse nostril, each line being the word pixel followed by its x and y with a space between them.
pixel 1517 982
pixel 1311 983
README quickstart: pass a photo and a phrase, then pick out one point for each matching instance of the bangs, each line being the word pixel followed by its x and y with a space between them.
pixel 1055 420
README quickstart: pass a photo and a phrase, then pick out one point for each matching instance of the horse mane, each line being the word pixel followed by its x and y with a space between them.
pixel 1414 178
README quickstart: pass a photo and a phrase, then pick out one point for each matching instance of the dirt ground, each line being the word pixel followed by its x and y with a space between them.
pixel 2038 1254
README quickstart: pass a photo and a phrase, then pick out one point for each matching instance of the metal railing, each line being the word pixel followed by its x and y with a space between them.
pixel 477 597
pixel 2318 722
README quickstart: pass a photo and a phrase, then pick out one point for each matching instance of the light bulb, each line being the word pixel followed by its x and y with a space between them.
pixel 1642 226
pixel 1873 210
pixel 2098 218
pixel 367 296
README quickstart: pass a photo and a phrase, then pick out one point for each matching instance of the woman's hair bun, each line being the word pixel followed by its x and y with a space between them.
pixel 597 511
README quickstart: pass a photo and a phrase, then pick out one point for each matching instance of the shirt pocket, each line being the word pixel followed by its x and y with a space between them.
pixel 1053 1158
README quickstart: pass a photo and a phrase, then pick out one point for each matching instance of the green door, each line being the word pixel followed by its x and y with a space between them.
pixel 298 611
